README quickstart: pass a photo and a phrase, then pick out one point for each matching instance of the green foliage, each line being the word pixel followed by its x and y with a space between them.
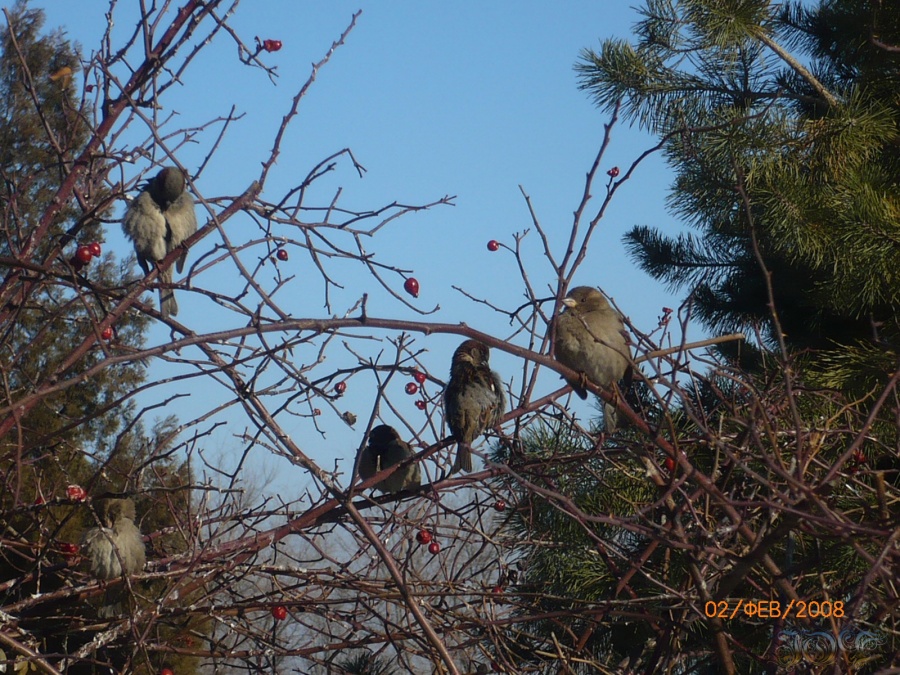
pixel 614 540
pixel 42 128
pixel 769 167
pixel 567 572
pixel 363 663
pixel 41 123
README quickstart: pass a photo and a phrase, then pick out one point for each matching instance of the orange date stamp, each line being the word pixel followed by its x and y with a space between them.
pixel 773 609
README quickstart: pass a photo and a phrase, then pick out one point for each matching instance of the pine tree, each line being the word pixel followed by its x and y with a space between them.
pixel 42 128
pixel 793 166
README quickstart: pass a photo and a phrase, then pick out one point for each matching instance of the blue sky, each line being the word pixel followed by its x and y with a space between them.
pixel 467 99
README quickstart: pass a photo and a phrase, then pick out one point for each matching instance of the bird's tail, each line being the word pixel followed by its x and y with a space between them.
pixel 578 388
pixel 167 304
pixel 610 418
pixel 463 460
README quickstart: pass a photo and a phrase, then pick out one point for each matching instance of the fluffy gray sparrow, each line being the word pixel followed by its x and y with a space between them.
pixel 473 400
pixel 591 338
pixel 114 549
pixel 386 449
pixel 158 220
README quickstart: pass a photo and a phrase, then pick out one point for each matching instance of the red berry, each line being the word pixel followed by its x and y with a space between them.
pixel 859 456
pixel 497 589
pixel 94 248
pixel 271 45
pixel 88 88
pixel 420 404
pixel 670 464
pixel 167 671
pixel 279 612
pixel 420 377
pixel 411 388
pixel 107 333
pixel 613 172
pixel 423 537
pixel 281 254
pixel 38 500
pixel 83 255
pixel 76 493
pixel 434 548
pixel 493 245
pixel 500 505
pixel 411 286
pixel 340 387
pixel 68 549
pixel 316 412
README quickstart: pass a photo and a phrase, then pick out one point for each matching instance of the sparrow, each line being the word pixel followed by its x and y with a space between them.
pixel 385 449
pixel 473 400
pixel 158 220
pixel 591 338
pixel 114 549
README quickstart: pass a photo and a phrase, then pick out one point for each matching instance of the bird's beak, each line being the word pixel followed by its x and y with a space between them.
pixel 569 302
